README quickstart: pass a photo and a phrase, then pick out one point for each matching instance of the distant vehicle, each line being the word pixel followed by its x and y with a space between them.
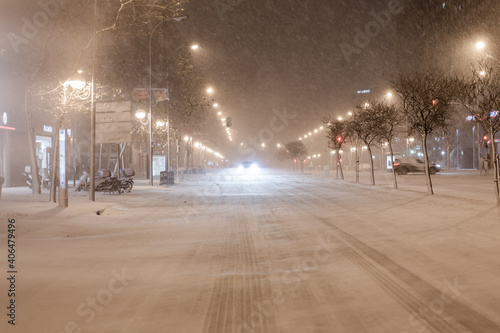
pixel 409 164
pixel 248 167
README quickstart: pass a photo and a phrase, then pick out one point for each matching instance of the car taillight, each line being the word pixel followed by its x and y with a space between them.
pixel 396 164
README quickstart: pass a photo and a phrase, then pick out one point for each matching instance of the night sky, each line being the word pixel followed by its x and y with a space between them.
pixel 277 54
pixel 270 55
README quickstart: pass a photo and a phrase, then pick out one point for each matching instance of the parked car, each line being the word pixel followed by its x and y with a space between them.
pixel 409 164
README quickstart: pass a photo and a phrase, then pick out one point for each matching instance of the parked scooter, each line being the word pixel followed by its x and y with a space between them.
pixel 43 177
pixel 127 182
pixel 84 182
pixel 28 176
pixel 107 183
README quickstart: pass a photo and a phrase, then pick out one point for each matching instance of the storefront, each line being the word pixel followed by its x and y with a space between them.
pixel 13 148
pixel 5 144
pixel 44 138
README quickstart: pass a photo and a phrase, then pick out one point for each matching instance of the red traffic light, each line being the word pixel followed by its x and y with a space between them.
pixel 339 139
pixel 485 138
pixel 434 101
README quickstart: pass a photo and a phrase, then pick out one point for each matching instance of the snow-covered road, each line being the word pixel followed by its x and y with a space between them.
pixel 271 253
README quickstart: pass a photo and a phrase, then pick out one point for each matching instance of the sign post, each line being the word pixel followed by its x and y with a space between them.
pixel 63 175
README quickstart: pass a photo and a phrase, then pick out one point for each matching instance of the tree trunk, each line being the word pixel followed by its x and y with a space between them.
pixel 392 164
pixel 426 161
pixel 494 158
pixel 357 166
pixel 36 186
pixel 339 163
pixel 372 171
pixel 55 162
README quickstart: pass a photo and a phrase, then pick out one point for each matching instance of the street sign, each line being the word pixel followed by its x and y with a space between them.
pixel 113 122
pixel 63 175
pixel 113 137
pixel 159 94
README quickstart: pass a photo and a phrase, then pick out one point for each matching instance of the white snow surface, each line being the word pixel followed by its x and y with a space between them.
pixel 258 253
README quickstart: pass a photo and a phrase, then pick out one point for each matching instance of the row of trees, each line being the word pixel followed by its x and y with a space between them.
pixel 430 102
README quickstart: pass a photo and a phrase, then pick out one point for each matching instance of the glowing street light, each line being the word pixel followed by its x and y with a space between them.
pixel 75 84
pixel 210 90
pixel 140 114
pixel 480 45
pixel 216 105
pixel 195 47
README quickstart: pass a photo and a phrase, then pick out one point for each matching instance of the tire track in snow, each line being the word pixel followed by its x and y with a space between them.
pixel 413 292
pixel 408 289
pixel 237 288
pixel 268 211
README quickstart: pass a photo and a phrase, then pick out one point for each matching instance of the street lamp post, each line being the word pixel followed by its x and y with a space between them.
pixel 92 110
pixel 150 123
pixel 63 166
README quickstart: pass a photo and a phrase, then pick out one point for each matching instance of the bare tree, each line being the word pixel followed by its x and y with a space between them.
pixel 388 118
pixel 337 134
pixel 427 100
pixel 59 102
pixel 480 95
pixel 296 150
pixel 364 125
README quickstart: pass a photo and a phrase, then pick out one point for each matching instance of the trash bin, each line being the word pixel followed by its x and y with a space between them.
pixel 1 184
